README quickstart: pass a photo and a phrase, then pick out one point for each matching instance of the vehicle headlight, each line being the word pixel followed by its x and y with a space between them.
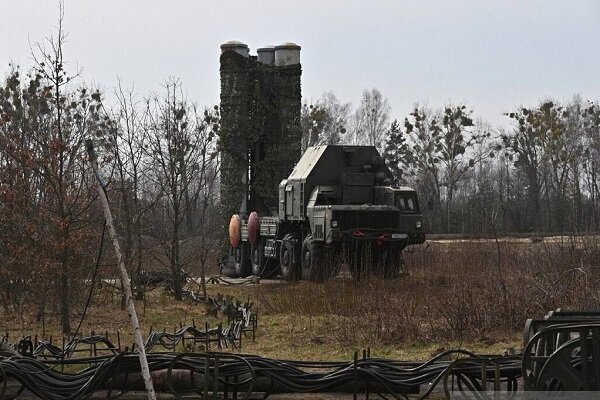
pixel 334 224
pixel 418 225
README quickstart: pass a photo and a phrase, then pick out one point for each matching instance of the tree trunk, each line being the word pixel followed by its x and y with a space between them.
pixel 65 301
pixel 535 202
pixel 175 269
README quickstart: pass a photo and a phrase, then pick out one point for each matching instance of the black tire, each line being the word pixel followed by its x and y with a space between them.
pixel 388 263
pixel 227 266
pixel 312 260
pixel 289 267
pixel 357 260
pixel 319 262
pixel 260 264
pixel 379 257
pixel 332 262
pixel 241 256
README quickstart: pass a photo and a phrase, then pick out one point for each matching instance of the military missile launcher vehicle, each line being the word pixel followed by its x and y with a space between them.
pixel 336 207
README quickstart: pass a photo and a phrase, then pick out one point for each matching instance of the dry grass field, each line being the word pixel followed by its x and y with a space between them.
pixel 473 294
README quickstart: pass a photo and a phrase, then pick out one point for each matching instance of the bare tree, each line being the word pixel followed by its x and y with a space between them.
pixel 325 122
pixel 62 162
pixel 128 141
pixel 205 200
pixel 44 124
pixel 591 160
pixel 455 138
pixel 537 145
pixel 397 153
pixel 422 161
pixel 371 119
pixel 178 145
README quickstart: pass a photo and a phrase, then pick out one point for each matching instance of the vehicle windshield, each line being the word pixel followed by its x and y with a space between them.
pixel 326 199
pixel 407 202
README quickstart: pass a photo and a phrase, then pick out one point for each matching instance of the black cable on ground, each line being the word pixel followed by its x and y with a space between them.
pixel 389 377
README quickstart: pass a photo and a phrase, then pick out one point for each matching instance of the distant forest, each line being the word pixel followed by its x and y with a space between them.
pixel 160 162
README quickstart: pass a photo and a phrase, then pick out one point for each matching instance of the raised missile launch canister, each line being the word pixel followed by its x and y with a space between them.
pixel 260 138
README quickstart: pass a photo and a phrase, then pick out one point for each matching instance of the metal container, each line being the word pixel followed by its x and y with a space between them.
pixel 238 47
pixel 266 55
pixel 287 54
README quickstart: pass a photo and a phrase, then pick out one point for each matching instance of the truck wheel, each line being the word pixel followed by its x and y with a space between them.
pixel 289 268
pixel 332 262
pixel 260 263
pixel 390 263
pixel 357 261
pixel 227 266
pixel 242 265
pixel 312 260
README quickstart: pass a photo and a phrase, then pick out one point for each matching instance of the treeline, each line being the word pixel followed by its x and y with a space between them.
pixel 540 175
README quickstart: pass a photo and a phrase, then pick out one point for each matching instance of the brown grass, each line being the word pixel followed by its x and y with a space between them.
pixel 470 294
pixel 456 291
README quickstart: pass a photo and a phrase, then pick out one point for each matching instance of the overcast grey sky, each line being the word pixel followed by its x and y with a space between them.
pixel 494 55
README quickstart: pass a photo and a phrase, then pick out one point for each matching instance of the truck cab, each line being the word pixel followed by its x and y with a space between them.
pixel 393 215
